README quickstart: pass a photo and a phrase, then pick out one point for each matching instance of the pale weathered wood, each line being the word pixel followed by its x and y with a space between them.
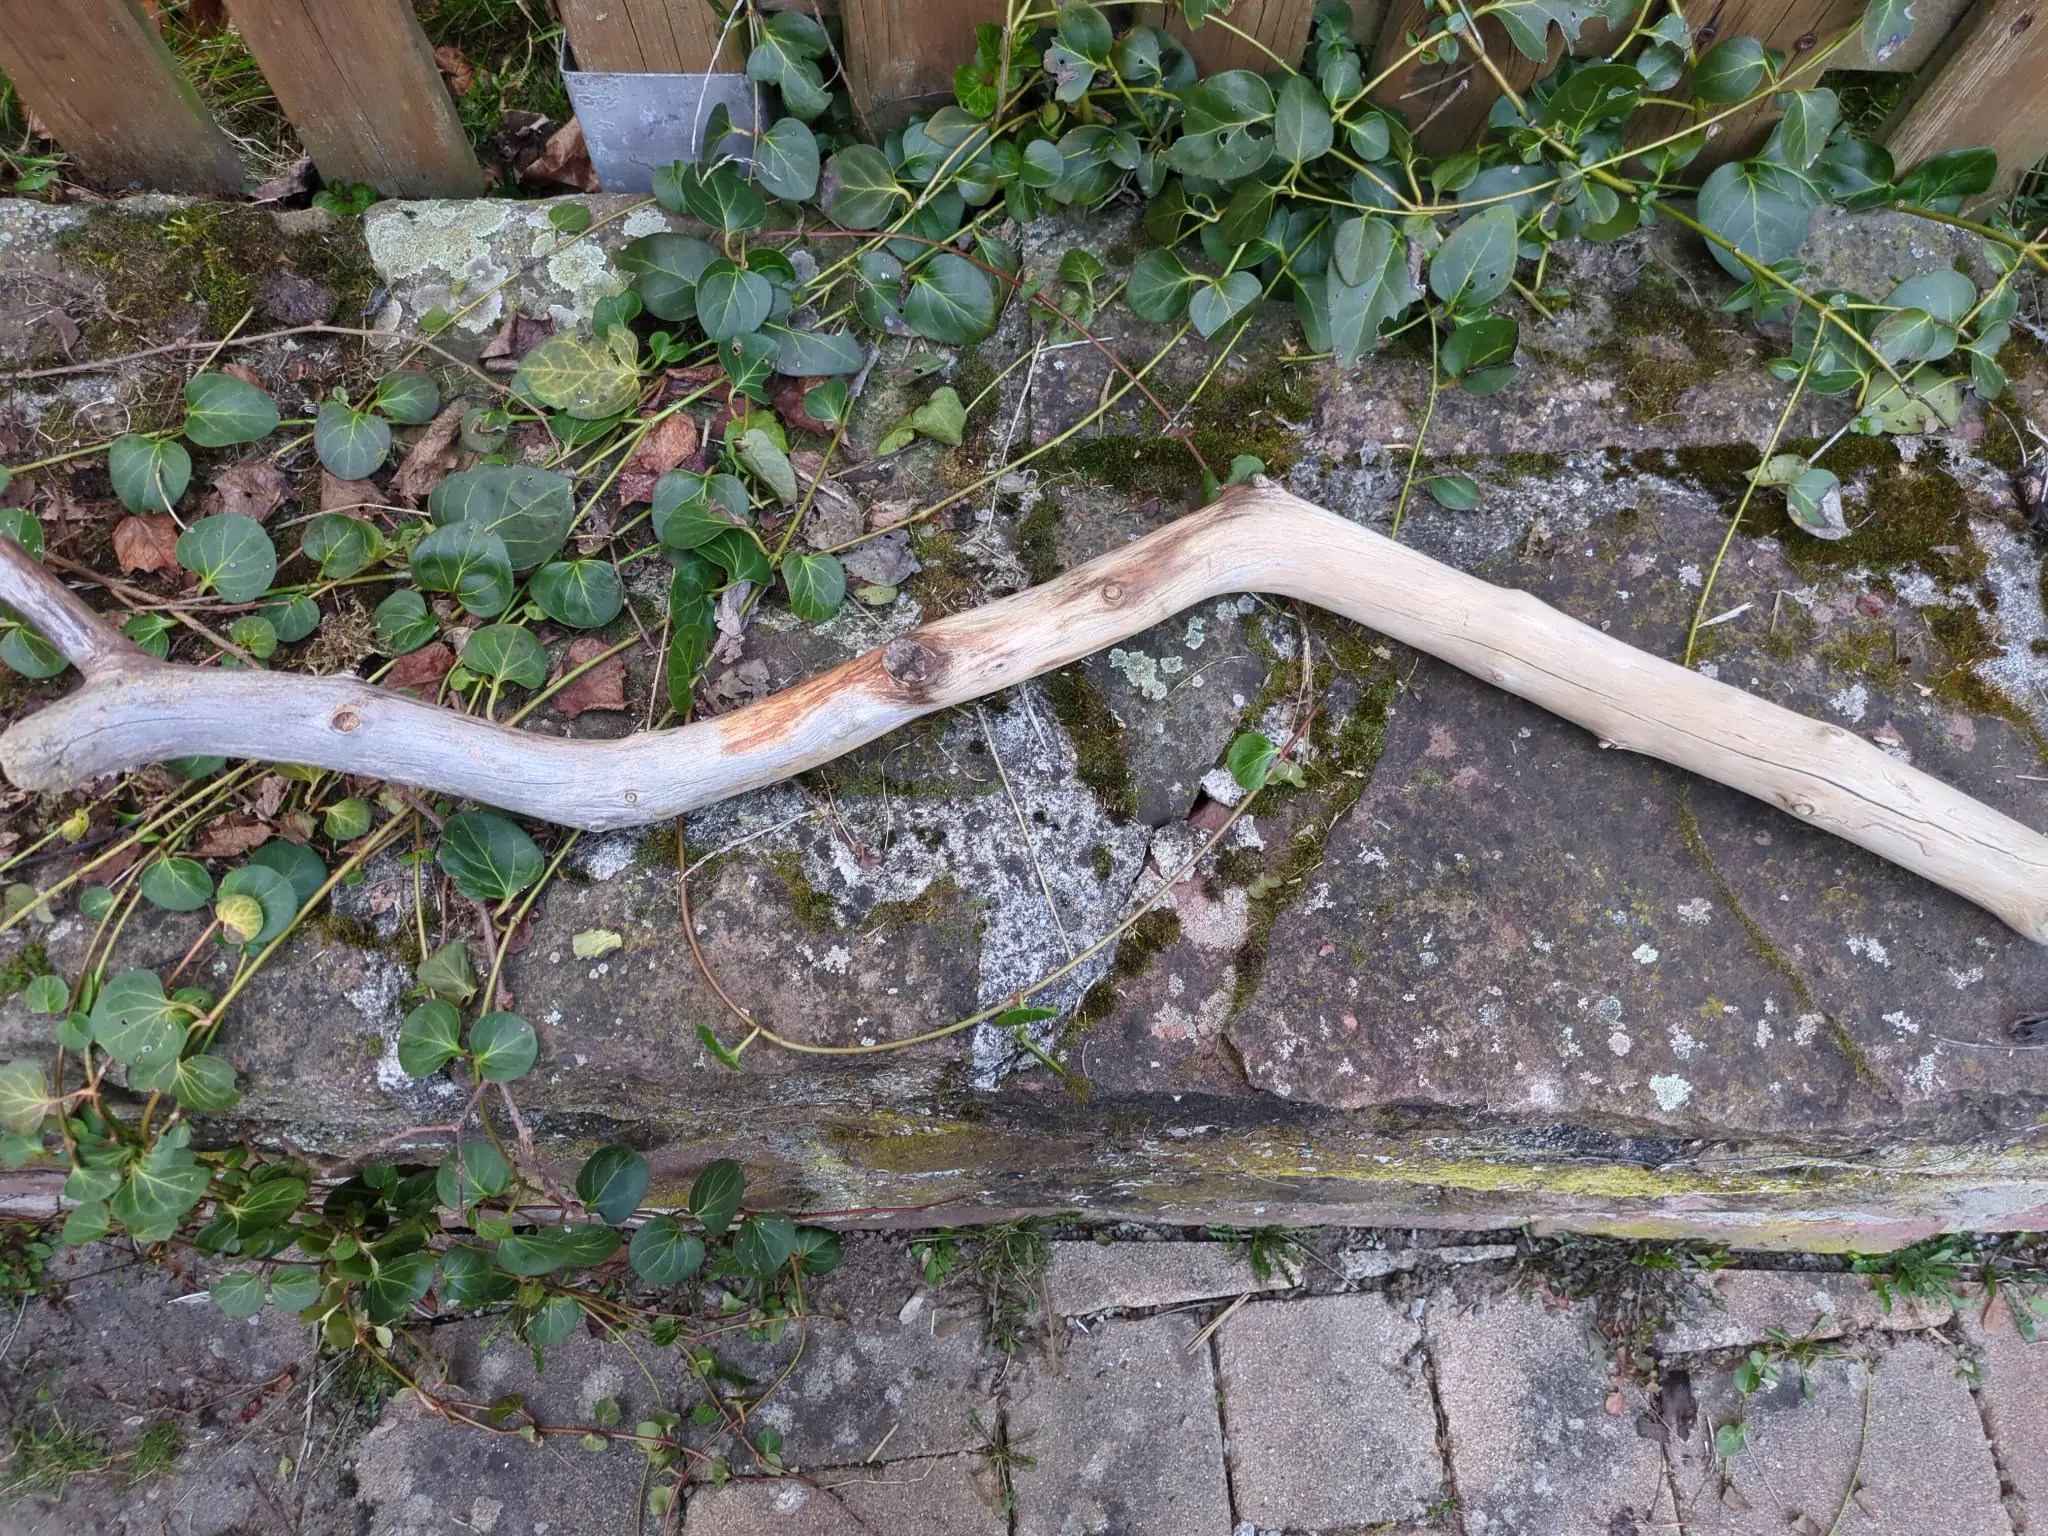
pixel 99 76
pixel 1282 25
pixel 133 709
pixel 1989 85
pixel 660 37
pixel 357 78
pixel 901 54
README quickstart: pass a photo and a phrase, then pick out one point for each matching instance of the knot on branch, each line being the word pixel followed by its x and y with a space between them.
pixel 911 663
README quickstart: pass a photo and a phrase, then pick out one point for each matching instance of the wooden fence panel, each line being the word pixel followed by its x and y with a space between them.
pixel 1447 104
pixel 664 37
pixel 1282 25
pixel 98 74
pixel 357 79
pixel 1989 86
pixel 901 54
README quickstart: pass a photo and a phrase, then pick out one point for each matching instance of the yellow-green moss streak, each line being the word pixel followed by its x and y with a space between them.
pixel 1101 760
pixel 21 968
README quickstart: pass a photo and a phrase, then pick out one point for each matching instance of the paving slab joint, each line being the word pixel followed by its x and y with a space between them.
pixel 1217 1396
pixel 1454 1506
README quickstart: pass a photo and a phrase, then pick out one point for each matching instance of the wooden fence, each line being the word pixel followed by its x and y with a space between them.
pixel 358 78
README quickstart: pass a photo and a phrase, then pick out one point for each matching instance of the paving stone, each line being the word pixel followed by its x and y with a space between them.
pixel 1524 1388
pixel 945 1496
pixel 1328 1413
pixel 1925 1467
pixel 1740 1307
pixel 1124 1429
pixel 2012 1377
pixel 1091 1277
pixel 1372 1263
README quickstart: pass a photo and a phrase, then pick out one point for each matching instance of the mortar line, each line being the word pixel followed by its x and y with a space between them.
pixel 2008 1489
pixel 1443 1425
pixel 1218 1397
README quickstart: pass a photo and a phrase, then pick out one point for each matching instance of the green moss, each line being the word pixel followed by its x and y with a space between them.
pixel 1037 539
pixel 1151 935
pixel 813 908
pixel 1250 414
pixel 944 585
pixel 1100 861
pixel 1664 346
pixel 21 968
pixel 1868 97
pixel 1102 761
pixel 357 934
pixel 929 908
pixel 1872 654
pixel 660 846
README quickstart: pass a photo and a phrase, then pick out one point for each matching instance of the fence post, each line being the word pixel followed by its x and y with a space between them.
pixel 658 37
pixel 357 78
pixel 1281 25
pixel 1989 85
pixel 901 54
pixel 99 75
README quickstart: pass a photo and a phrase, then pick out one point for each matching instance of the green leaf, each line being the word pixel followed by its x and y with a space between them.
pixel 820 1251
pixel 469 1278
pixel 430 1038
pixel 715 1197
pixel 859 189
pixel 816 354
pixel 273 892
pixel 942 417
pixel 1943 182
pixel 1730 70
pixel 662 1253
pixel 665 269
pixel 549 1249
pixel 1599 93
pixel 1814 499
pixel 826 402
pixel 467 560
pixel 613 1183
pixel 1214 305
pixel 761 454
pixel 558 1317
pixel 176 885
pixel 221 410
pixel 1473 267
pixel 1159 287
pixel 294 1287
pixel 731 302
pixel 1886 26
pixel 1477 345
pixel 764 1244
pixel 1301 123
pixel 786 160
pixel 530 509
pixel 239 1293
pixel 1043 164
pixel 231 554
pixel 1928 403
pixel 487 857
pixel 689 510
pixel 584 594
pixel 817 586
pixel 483 1173
pixel 446 973
pixel 410 396
pixel 951 301
pixel 1913 336
pixel 293 619
pixel 692 630
pixel 722 197
pixel 1219 119
pixel 1802 133
pixel 351 443
pixel 504 1046
pixel 1250 759
pixel 161 1188
pixel 402 623
pixel 1944 293
pixel 24 1098
pixel 1459 493
pixel 149 475
pixel 1760 208
pixel 738 551
pixel 396 1283
pixel 1527 23
pixel 575 373
pixel 46 994
pixel 507 653
pixel 1856 173
pixel 87 1224
pixel 24 527
pixel 569 218
pixel 299 865
pixel 254 634
pixel 203 1083
pixel 30 654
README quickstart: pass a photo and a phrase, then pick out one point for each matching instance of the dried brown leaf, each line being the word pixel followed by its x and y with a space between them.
pixel 339 495
pixel 786 394
pixel 148 542
pixel 254 488
pixel 455 69
pixel 885 561
pixel 420 671
pixel 296 180
pixel 243 372
pixel 736 686
pixel 431 458
pixel 667 447
pixel 270 793
pixel 519 335
pixel 602 687
pixel 564 161
pixel 229 836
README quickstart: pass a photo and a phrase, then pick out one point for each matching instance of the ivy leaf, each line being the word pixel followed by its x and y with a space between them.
pixel 1478 345
pixel 1600 93
pixel 817 586
pixel 761 454
pixel 504 1046
pixel 231 554
pixel 1215 304
pixel 293 619
pixel 613 1183
pixel 1942 182
pixel 723 198
pixel 549 1249
pixel 176 885
pixel 482 1174
pixel 294 1287
pixel 951 301
pixel 1474 265
pixel 816 354
pixel 665 269
pixel 1856 173
pixel 584 594
pixel 530 509
pixel 396 1283
pixel 506 653
pixel 410 396
pixel 732 302
pixel 467 560
pixel 46 994
pixel 350 443
pixel 942 417
pixel 161 1188
pixel 430 1038
pixel 149 474
pixel 299 865
pixel 23 526
pixel 1527 23
pixel 1250 759
pixel 487 857
pixel 1814 500
pixel 1458 493
pixel 30 654
pixel 469 1278
pixel 239 1293
pixel 1886 26
pixel 575 373
pixel 402 623
pixel 1802 133
pixel 662 1253
pixel 1913 336
pixel 764 1244
pixel 1301 123
pixel 1730 70
pixel 859 189
pixel 273 893
pixel 340 545
pixel 1159 287
pixel 1219 116
pixel 1762 209
pixel 24 1098
pixel 221 410
pixel 203 1083
pixel 446 973
pixel 715 1196
pixel 786 160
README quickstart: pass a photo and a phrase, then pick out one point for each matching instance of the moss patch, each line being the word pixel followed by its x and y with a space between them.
pixel 1037 539
pixel 1150 936
pixel 1101 760
pixel 21 968
pixel 1663 346
pixel 813 908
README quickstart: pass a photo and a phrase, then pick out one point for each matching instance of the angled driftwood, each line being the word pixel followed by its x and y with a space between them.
pixel 133 709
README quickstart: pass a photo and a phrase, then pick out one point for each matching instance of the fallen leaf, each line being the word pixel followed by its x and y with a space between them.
pixel 243 372
pixel 730 617
pixel 882 562
pixel 592 942
pixel 602 687
pixel 564 160
pixel 339 495
pixel 736 686
pixel 253 488
pixel 834 517
pixel 1675 1401
pixel 431 458
pixel 519 335
pixel 295 180
pixel 148 542
pixel 270 792
pixel 786 394
pixel 663 449
pixel 887 514
pixel 296 826
pixel 1617 1403
pixel 1804 1525
pixel 420 671
pixel 1868 1504
pixel 1734 1498
pixel 455 69
pixel 521 135
pixel 64 327
pixel 229 836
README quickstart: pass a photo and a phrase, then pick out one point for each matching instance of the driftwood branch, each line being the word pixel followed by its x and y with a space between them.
pixel 134 710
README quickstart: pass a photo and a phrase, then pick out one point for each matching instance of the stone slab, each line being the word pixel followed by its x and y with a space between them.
pixel 1924 1465
pixel 1328 1413
pixel 1093 1277
pixel 1738 1308
pixel 2012 1389
pixel 943 1496
pixel 1123 1426
pixel 1534 1450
